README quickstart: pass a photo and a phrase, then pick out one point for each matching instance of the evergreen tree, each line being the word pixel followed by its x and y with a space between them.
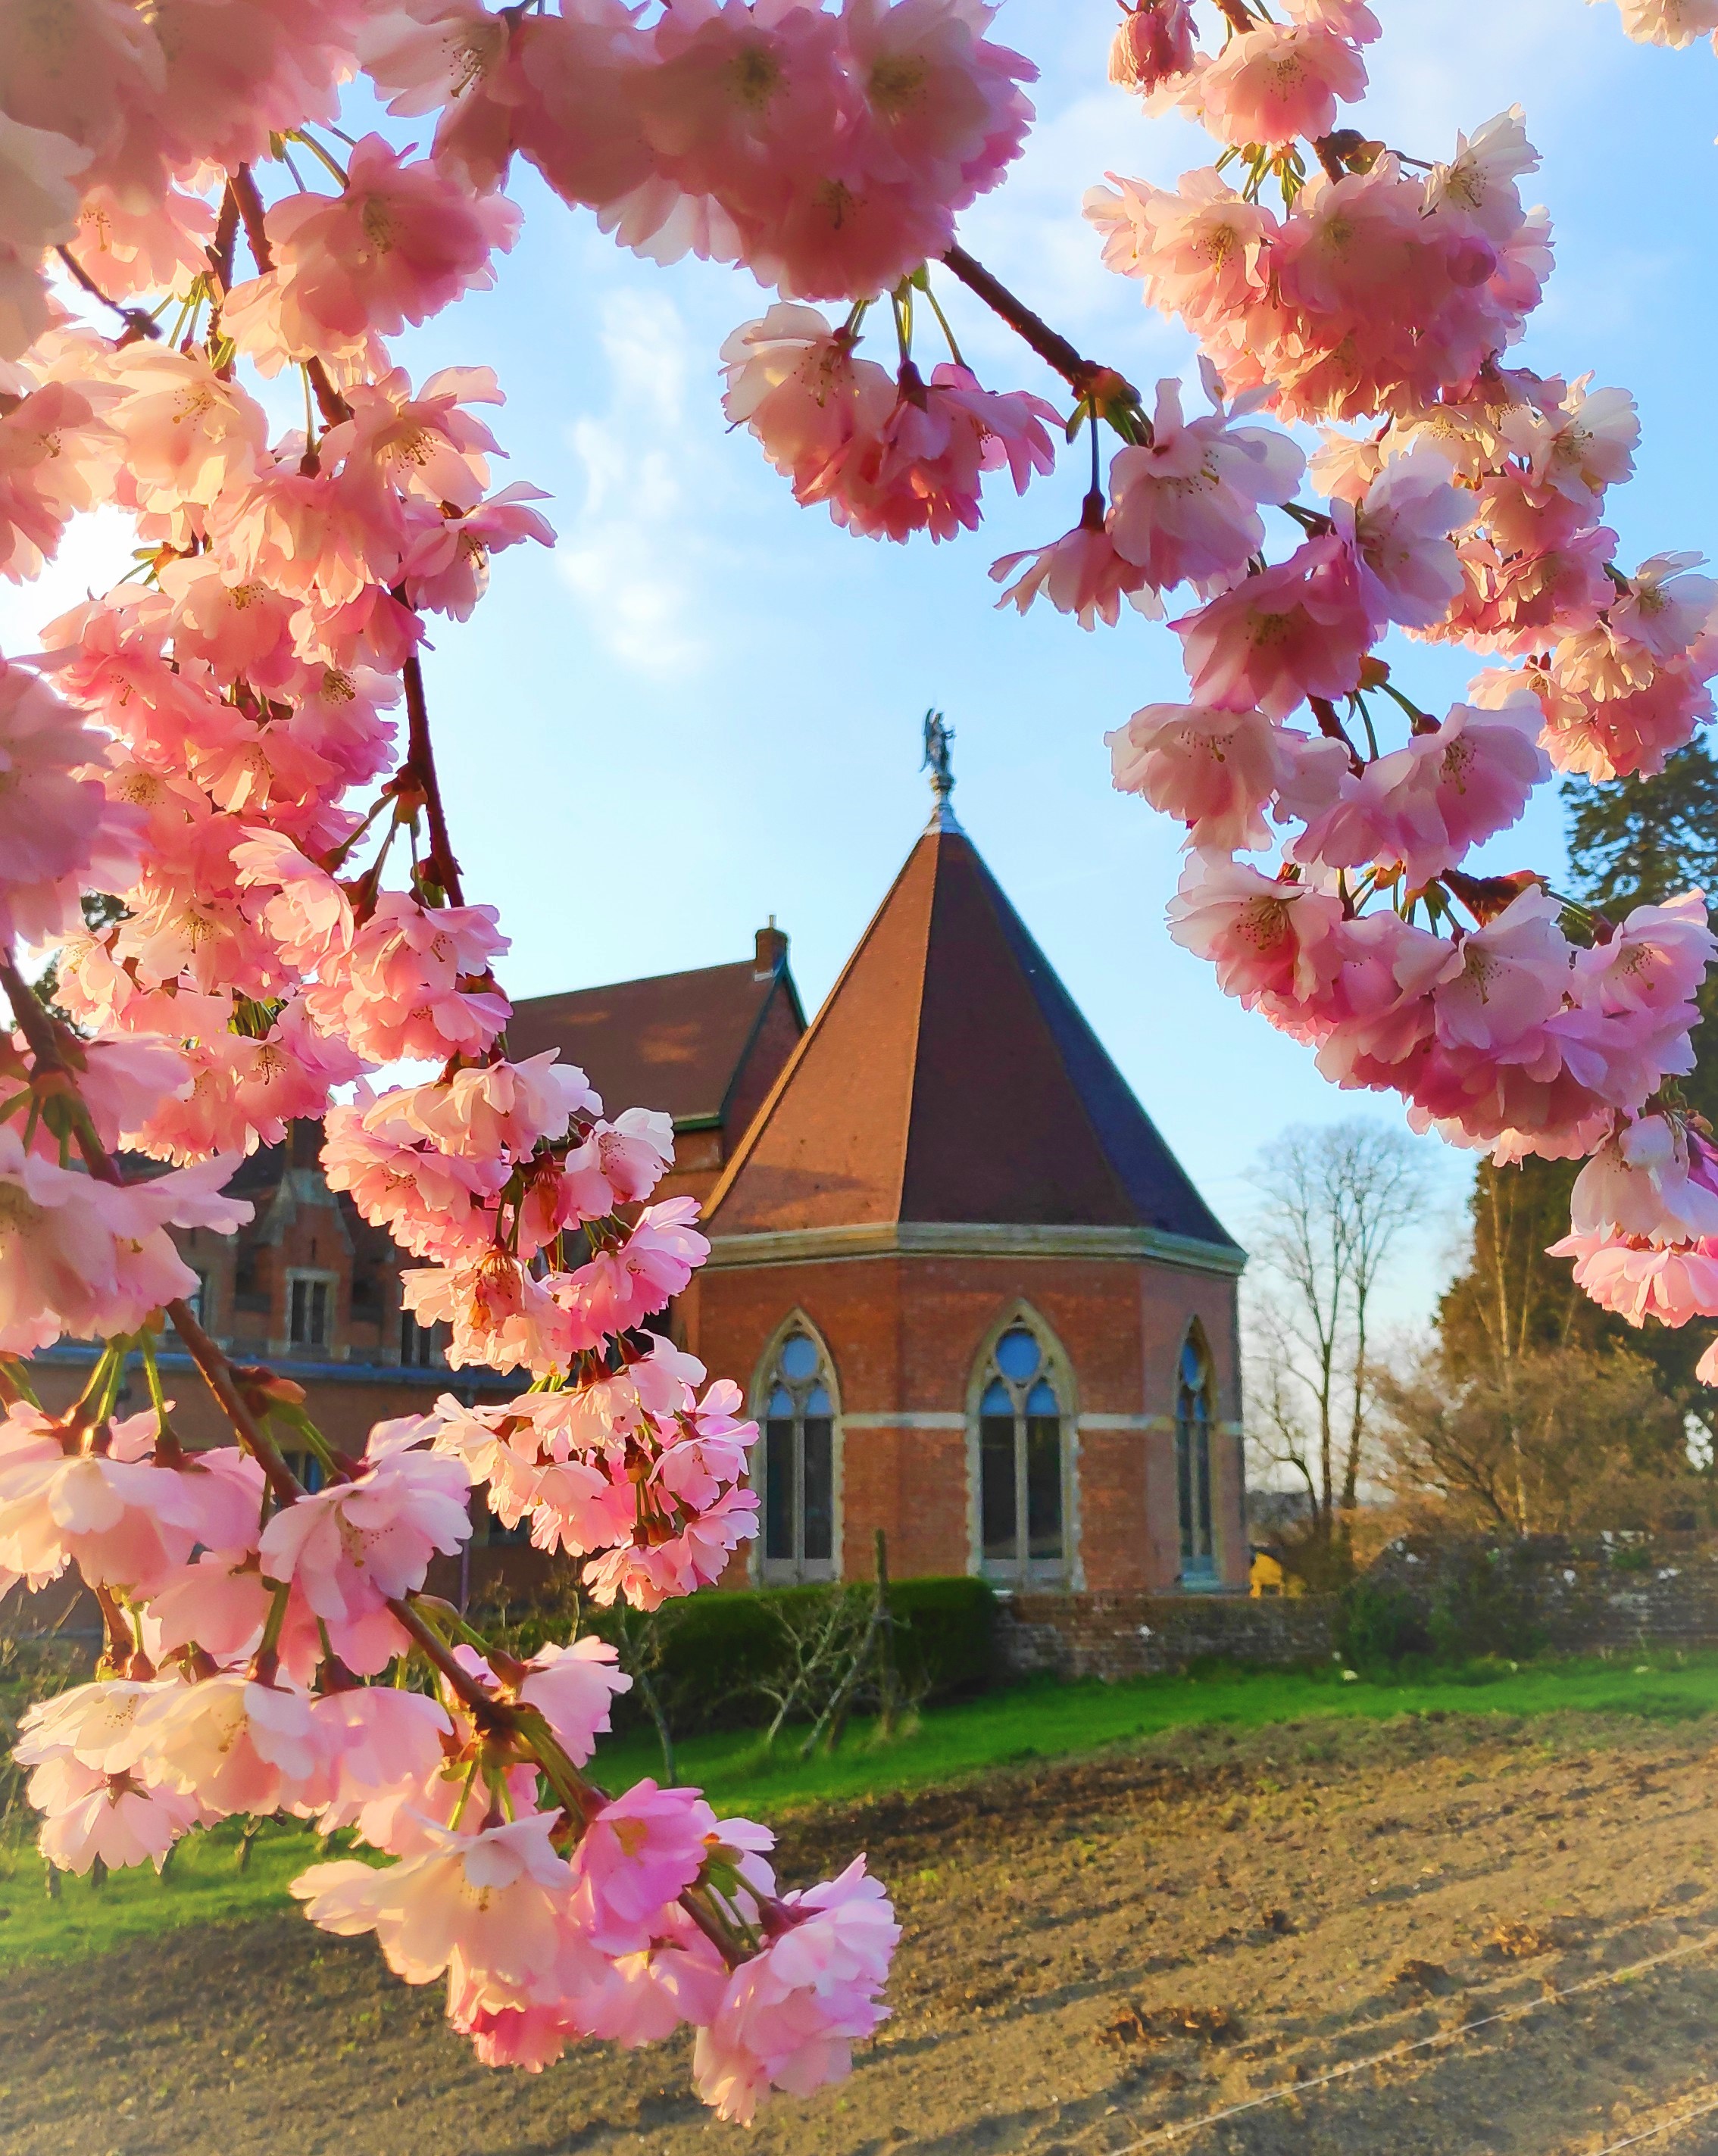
pixel 1634 842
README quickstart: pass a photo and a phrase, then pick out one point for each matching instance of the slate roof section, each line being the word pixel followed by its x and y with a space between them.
pixel 677 1041
pixel 950 1077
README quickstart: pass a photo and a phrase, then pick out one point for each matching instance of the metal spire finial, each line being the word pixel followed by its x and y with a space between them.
pixel 937 737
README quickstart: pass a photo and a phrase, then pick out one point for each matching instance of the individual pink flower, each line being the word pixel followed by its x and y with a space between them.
pixel 492 1904
pixel 432 1205
pixel 235 1746
pixel 1664 608
pixel 619 1164
pixel 639 1855
pixel 87 1814
pixel 445 568
pixel 476 1114
pixel 1580 448
pixel 1480 180
pixel 1674 23
pixel 1513 975
pixel 416 983
pixel 643 1998
pixel 619 1286
pixel 791 2014
pixel 1295 630
pixel 1282 80
pixel 1203 252
pixel 922 470
pixel 311 920
pixel 1214 770
pixel 379 1738
pixel 456 56
pixel 402 242
pixel 1269 938
pixel 1153 46
pixel 56 457
pixel 573 1688
pixel 1080 574
pixel 353 1546
pixel 797 383
pixel 1655 1178
pixel 1424 805
pixel 1185 504
pixel 127 246
pixel 499 1316
pixel 189 435
pixel 1408 566
pixel 55 817
pixel 1640 1280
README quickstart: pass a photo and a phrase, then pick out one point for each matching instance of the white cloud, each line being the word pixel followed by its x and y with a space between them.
pixel 635 556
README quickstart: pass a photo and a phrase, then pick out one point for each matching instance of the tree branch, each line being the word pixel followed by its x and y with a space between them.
pixel 420 763
pixel 1086 377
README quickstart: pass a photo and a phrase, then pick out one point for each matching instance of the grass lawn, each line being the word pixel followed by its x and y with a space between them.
pixel 1039 1721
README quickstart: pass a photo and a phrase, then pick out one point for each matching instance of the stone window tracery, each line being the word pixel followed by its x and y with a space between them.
pixel 798 1461
pixel 1193 1421
pixel 1022 1463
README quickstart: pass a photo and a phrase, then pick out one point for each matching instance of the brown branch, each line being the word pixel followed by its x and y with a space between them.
pixel 35 1022
pixel 217 1375
pixel 1238 17
pixel 251 209
pixel 420 763
pixel 138 324
pixel 226 236
pixel 1086 377
pixel 1332 728
pixel 332 406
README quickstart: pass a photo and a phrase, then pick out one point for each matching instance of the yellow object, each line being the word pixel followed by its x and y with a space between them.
pixel 1267 1576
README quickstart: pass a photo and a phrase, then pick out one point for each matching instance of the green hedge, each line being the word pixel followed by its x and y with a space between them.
pixel 712 1652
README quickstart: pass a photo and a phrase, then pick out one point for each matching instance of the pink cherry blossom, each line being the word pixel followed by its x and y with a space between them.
pixel 409 986
pixel 54 816
pixel 1214 770
pixel 1425 804
pixel 1153 46
pixel 402 240
pixel 797 385
pixel 1655 1178
pixel 87 1814
pixel 573 1688
pixel 235 1746
pixel 57 457
pixel 1640 1280
pixel 499 1315
pixel 791 2014
pixel 1296 630
pixel 1269 938
pixel 621 1285
pixel 639 1855
pixel 1185 504
pixel 354 1546
pixel 1277 82
pixel 490 1903
pixel 1513 976
pixel 1407 566
pixel 617 1164
pixel 1081 573
pixel 1674 23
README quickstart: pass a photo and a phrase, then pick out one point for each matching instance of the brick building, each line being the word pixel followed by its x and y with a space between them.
pixel 973 1297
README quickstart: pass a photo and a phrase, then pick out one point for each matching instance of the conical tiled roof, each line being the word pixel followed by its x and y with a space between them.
pixel 950 1078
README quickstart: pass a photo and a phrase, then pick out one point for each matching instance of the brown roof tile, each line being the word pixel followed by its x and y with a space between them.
pixel 674 1041
pixel 951 1077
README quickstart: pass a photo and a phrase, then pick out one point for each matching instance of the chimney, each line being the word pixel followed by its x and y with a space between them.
pixel 772 948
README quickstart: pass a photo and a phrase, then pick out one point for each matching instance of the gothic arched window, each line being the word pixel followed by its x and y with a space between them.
pixel 1022 1423
pixel 1193 1418
pixel 798 1464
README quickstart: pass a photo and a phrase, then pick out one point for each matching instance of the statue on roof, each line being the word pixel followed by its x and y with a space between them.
pixel 937 736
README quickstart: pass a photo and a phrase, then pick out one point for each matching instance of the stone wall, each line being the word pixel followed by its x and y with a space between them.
pixel 1131 1635
pixel 1570 1594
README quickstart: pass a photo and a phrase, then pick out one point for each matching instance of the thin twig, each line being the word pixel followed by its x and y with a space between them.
pixel 138 324
pixel 421 761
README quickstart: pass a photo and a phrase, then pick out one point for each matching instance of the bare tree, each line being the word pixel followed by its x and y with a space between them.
pixel 1334 1198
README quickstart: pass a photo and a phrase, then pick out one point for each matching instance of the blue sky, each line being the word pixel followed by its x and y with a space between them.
pixel 704 706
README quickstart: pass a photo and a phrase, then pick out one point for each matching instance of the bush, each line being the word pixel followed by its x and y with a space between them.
pixel 1378 1627
pixel 713 1657
pixel 1485 1606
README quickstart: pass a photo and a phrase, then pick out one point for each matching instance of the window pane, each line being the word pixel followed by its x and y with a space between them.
pixel 997 1400
pixel 817 1402
pixel 799 1356
pixel 778 1489
pixel 1201 1487
pixel 1192 1366
pixel 1042 1401
pixel 1017 1355
pixel 1044 1487
pixel 781 1405
pixel 997 1487
pixel 819 1542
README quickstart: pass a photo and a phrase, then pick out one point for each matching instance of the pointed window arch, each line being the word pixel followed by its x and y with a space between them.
pixel 797 1459
pixel 1193 1422
pixel 1025 1414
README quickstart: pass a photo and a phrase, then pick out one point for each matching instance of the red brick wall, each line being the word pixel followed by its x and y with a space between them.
pixel 905 1336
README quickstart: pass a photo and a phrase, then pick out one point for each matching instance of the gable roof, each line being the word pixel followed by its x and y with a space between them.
pixel 675 1041
pixel 950 1077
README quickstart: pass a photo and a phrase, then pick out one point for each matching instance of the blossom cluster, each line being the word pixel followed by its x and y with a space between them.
pixel 1451 498
pixel 219 808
